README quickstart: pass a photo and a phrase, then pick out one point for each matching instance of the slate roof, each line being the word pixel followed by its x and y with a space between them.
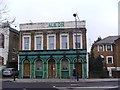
pixel 108 40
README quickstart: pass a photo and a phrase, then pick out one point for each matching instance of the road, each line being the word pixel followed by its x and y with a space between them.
pixel 94 85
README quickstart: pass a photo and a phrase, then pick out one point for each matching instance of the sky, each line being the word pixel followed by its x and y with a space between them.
pixel 101 16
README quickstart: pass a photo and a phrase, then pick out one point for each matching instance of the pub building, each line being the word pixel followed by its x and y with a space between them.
pixel 53 50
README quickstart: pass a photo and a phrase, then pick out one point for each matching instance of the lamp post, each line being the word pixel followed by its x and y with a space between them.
pixel 77 76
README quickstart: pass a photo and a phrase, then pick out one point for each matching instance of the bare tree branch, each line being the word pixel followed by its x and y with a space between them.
pixel 4 17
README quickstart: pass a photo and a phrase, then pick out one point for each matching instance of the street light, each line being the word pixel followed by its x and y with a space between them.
pixel 75 14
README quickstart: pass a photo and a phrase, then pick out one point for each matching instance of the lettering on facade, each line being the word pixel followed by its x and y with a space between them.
pixel 56 24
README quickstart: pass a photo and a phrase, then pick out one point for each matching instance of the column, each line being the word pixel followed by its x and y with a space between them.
pixel 45 70
pixel 84 66
pixel 58 69
pixel 32 70
pixel 20 70
pixel 71 69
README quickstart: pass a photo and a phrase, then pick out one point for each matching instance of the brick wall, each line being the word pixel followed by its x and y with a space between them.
pixel 117 52
pixel 57 32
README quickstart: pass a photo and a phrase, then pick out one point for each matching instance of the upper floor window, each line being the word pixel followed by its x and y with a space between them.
pixel 77 41
pixel 109 59
pixel 108 47
pixel 51 42
pixel 100 48
pixel 1 40
pixel 38 42
pixel 64 41
pixel 26 43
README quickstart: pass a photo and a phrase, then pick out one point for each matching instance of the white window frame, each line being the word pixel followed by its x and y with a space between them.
pixel 35 42
pixel 111 48
pixel 29 42
pixel 61 41
pixel 48 41
pixel 75 41
pixel 99 47
pixel 107 59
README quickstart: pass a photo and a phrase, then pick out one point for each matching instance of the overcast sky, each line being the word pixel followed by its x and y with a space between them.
pixel 101 16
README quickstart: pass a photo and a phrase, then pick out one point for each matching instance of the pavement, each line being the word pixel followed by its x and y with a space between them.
pixel 59 80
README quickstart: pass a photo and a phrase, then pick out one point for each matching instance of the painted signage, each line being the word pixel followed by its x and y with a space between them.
pixel 56 24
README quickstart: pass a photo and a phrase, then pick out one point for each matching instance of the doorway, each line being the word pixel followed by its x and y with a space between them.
pixel 51 68
pixel 78 69
pixel 26 69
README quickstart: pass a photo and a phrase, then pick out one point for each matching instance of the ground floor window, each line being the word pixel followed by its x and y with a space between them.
pixel 39 65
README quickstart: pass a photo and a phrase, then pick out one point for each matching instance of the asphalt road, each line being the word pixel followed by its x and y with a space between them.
pixel 97 85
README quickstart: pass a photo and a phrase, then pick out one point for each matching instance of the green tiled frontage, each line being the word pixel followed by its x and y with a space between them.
pixel 57 56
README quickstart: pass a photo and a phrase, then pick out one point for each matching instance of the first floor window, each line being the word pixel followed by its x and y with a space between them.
pixel 51 42
pixel 64 42
pixel 108 48
pixel 77 41
pixel 100 48
pixel 38 43
pixel 26 42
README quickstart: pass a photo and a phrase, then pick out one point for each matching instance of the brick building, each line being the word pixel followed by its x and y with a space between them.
pixel 108 48
pixel 9 45
pixel 116 71
pixel 48 50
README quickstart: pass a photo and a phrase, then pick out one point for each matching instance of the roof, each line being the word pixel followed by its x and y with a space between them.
pixel 14 30
pixel 108 40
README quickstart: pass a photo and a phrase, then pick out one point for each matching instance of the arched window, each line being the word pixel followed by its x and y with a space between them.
pixel 1 60
pixel 65 64
pixel 1 40
pixel 39 65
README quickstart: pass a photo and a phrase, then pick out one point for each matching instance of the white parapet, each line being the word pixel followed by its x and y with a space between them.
pixel 52 25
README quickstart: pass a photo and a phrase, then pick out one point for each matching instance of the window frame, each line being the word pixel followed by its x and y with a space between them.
pixel 61 41
pixel 99 48
pixel 74 46
pixel 36 43
pixel 107 59
pixel 48 41
pixel 29 42
pixel 107 47
pixel 2 39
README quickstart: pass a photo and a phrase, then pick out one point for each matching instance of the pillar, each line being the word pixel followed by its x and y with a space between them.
pixel 71 69
pixel 58 69
pixel 32 70
pixel 20 70
pixel 45 70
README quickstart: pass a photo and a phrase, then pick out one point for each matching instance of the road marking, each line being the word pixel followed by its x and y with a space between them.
pixel 107 87
pixel 74 84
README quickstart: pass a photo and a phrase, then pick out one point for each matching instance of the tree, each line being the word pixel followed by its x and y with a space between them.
pixel 95 64
pixel 4 17
pixel 92 59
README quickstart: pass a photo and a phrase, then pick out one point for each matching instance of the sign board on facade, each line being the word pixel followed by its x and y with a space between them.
pixel 56 24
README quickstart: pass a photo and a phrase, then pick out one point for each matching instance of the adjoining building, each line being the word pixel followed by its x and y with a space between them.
pixel 9 45
pixel 108 49
pixel 48 50
pixel 116 71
